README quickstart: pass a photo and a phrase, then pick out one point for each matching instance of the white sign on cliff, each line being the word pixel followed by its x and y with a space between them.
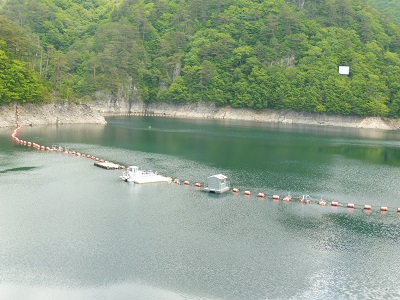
pixel 344 70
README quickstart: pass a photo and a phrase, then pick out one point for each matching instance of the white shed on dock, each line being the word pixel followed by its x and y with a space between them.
pixel 217 184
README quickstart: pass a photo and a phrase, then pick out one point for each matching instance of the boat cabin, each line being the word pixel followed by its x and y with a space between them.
pixel 217 184
pixel 133 171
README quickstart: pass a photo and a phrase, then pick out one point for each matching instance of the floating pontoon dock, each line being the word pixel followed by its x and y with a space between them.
pixel 107 165
pixel 133 174
pixel 152 179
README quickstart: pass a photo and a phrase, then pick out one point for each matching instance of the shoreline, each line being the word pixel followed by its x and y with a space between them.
pixel 94 113
pixel 49 114
pixel 209 111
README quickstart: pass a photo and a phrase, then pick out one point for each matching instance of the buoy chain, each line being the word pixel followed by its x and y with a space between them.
pixel 146 114
pixel 53 149
pixel 306 199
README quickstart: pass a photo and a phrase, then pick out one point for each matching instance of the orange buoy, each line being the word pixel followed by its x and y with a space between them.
pixel 235 190
pixel 186 182
pixel 384 208
pixel 334 203
pixel 275 197
pixel 29 144
pixel 247 193
pixel 198 184
pixel 367 207
pixel 261 195
pixel 350 205
pixel 42 148
pixel 322 203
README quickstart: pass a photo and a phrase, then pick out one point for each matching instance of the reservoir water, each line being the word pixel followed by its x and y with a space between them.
pixel 69 230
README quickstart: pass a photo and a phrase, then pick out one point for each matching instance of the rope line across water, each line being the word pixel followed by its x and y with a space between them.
pixel 305 199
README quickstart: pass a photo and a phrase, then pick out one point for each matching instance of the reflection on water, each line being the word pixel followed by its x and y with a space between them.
pixel 20 169
pixel 69 230
pixel 120 292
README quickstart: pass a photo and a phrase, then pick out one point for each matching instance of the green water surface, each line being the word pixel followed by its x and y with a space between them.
pixel 69 230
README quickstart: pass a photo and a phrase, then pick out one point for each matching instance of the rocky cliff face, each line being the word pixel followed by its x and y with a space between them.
pixel 105 104
pixel 50 113
pixel 207 110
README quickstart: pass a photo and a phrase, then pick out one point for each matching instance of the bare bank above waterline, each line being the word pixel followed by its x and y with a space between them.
pixel 267 115
pixel 49 113
pixel 93 113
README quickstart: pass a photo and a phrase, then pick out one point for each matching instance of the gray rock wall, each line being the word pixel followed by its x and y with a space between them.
pixel 206 110
pixel 105 104
pixel 50 113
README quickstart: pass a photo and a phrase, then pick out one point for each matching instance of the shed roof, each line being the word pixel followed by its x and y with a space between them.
pixel 219 176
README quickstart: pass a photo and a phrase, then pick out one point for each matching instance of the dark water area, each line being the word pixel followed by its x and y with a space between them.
pixel 69 230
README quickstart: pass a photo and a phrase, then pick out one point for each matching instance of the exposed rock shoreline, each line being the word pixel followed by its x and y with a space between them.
pixel 49 113
pixel 272 116
pixel 93 113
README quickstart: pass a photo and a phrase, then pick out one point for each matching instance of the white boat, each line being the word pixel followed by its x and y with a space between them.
pixel 133 174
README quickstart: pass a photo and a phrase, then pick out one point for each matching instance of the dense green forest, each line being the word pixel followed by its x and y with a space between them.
pixel 242 53
pixel 389 7
pixel 18 81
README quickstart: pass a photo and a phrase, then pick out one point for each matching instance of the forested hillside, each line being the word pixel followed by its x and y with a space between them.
pixel 18 80
pixel 243 53
pixel 389 7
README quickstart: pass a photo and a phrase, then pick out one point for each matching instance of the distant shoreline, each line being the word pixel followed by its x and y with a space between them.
pixel 94 113
pixel 208 111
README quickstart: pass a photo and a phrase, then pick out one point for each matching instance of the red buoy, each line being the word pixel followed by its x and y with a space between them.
pixel 247 193
pixel 235 190
pixel 261 195
pixel 350 205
